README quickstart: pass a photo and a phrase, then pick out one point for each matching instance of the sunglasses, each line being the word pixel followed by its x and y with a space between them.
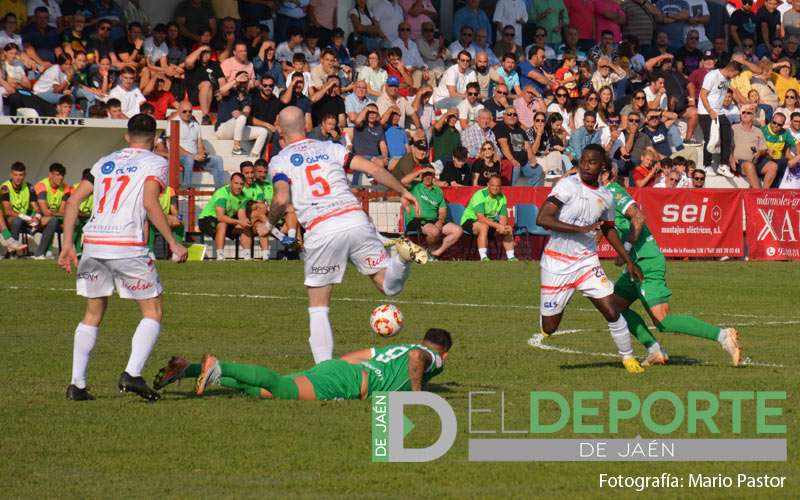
pixel 270 85
pixel 633 120
pixel 421 145
pixel 464 60
pixel 790 97
pixel 487 148
pixel 473 94
pixel 500 92
pixel 540 120
pixel 639 97
pixel 508 34
pixel 654 117
pixel 509 114
pixel 699 178
pixel 748 45
pixel 592 99
pixel 186 112
pixel 561 95
pixel 613 122
pixel 779 125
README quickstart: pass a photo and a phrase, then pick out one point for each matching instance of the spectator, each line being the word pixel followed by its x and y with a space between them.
pixel 225 216
pixel 604 77
pixel 558 159
pixel 322 19
pixel 468 108
pixel 582 18
pixel 664 138
pixel 326 68
pixel 641 17
pixel 526 105
pixel 234 109
pixel 355 103
pixel 192 17
pixel 265 64
pixel 51 193
pixel 193 152
pixel 339 48
pixel 782 149
pixel 507 73
pixel 74 40
pixel 783 79
pixel 564 106
pixel 396 140
pixel 473 16
pixel 395 68
pixel 367 32
pixel 238 63
pixel 445 138
pixel 531 72
pixel 328 100
pixel 515 148
pixel 389 15
pixel 698 179
pixel 794 126
pixel 53 9
pixel 712 95
pixel 770 27
pixel 417 159
pixel 129 96
pixel 432 219
pixel 482 47
pixel 129 50
pixel 486 214
pixel 498 103
pixel 299 65
pixel 293 96
pixel 114 108
pixel 510 13
pixel 64 107
pixel 41 39
pixel 687 58
pixel 10 31
pixel 391 98
pixel 419 12
pixel 750 156
pixel 204 78
pixel 674 20
pixel 18 200
pixel 432 48
pixel 291 15
pixel 452 87
pixel 482 73
pixel 158 93
pixel 539 37
pixel 54 82
pixel 286 50
pixel 606 46
pixel 369 139
pixel 374 74
pixel 646 174
pixel 585 135
pixel 478 133
pixel 486 165
pixel 110 11
pixel 16 85
pixel 411 58
pixel 464 43
pixel 265 105
pixel 552 16
pixel 456 172
pixel 506 44
pixel 311 48
pixel 571 45
pixel 743 24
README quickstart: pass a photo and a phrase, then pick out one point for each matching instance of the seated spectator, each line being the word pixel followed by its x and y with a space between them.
pixel 75 40
pixel 698 177
pixel 507 44
pixel 204 78
pixel 158 93
pixel 507 73
pixel 417 159
pixel 585 135
pixel 531 72
pixel 482 46
pixel 225 216
pixel 781 146
pixel 103 46
pixel 51 193
pixel 564 106
pixel 783 78
pixel 155 57
pixel 396 140
pixel 286 50
pixel 328 100
pixel 327 67
pixel 432 219
pixel 110 11
pixel 452 87
pixel 374 74
pixel 395 68
pixel 483 74
pixel 311 48
pixel 498 103
pixel 433 49
pixel 687 58
pixel 99 109
pixel 445 137
pixel 418 14
pixel 339 48
pixel 515 148
pixel 114 109
pixel 232 66
pixel 130 50
pixel 193 16
pixel 410 58
pixel 526 105
pixel 794 125
pixel 293 96
pixel 234 109
pixel 648 171
pixel 193 151
pixel 367 34
pixel 485 215
pixel 300 65
pixel 266 64
pixel 130 97
pixel 16 86
pixel 64 107
pixel 663 133
pixel 327 130
pixel 457 171
pixel 388 15
pixel 41 39
pixel 473 137
pixel 54 82
pixel 355 103
pixel 265 105
pixel 391 99
pixel 19 203
pixel 604 77
pixel 539 38
pixel 369 139
pixel 558 159
pixel 486 166
pixel 468 108
pixel 177 49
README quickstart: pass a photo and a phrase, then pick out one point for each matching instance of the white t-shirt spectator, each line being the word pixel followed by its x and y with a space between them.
pixel 605 138
pixel 389 15
pixel 454 78
pixel 284 54
pixel 190 133
pixel 154 52
pixel 312 57
pixel 697 8
pixel 52 7
pixel 456 47
pixel 650 96
pixel 411 56
pixel 52 76
pixel 510 12
pixel 717 86
pixel 469 112
pixel 130 99
pixel 6 38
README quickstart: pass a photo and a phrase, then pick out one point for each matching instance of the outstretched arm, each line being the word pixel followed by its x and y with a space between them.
pixel 280 202
pixel 385 178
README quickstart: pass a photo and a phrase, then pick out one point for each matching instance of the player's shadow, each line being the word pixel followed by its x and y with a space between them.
pixel 673 360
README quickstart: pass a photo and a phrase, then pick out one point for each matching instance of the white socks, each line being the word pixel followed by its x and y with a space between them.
pixel 621 336
pixel 509 254
pixel 85 337
pixel 654 348
pixel 246 255
pixel 142 343
pixel 292 233
pixel 321 339
pixel 397 273
pixel 482 253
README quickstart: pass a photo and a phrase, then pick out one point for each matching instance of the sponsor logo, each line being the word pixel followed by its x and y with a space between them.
pixel 770 251
pixel 779 230
pixel 107 167
pixel 137 285
pixel 551 304
pixel 325 269
pixel 296 159
pixel 690 213
pixel 88 276
pixel 375 261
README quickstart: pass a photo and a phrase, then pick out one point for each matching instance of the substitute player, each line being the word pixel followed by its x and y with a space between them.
pixel 399 367
pixel 653 291
pixel 126 186
pixel 311 176
pixel 575 209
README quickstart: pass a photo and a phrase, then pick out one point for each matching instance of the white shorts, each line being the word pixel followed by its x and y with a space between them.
pixel 326 254
pixel 557 289
pixel 133 277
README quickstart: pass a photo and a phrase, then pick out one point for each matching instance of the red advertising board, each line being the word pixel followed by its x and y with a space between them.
pixel 773 224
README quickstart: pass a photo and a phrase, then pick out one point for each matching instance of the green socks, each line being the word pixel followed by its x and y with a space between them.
pixel 688 325
pixel 260 377
pixel 192 371
pixel 638 328
pixel 6 234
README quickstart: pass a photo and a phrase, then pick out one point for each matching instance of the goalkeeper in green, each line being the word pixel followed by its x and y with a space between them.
pixel 653 291
pixel 398 367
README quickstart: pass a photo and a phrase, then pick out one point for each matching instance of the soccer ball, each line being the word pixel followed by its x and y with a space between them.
pixel 386 320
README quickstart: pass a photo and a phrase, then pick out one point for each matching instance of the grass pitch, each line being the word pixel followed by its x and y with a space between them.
pixel 230 445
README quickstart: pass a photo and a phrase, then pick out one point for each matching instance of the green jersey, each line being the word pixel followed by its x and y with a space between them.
pixel 223 197
pixel 492 207
pixel 388 367
pixel 431 199
pixel 645 245
pixel 259 191
pixel 776 143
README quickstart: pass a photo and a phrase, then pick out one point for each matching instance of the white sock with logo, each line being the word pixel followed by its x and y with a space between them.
pixel 622 336
pixel 321 339
pixel 85 337
pixel 142 343
pixel 397 273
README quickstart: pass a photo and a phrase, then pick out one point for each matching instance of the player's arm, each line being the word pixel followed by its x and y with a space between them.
pixel 610 232
pixel 548 219
pixel 383 177
pixel 634 214
pixel 152 190
pixel 418 362
pixel 281 198
pixel 357 357
pixel 68 258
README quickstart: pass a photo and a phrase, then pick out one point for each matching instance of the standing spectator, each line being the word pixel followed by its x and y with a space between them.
pixel 328 100
pixel 322 19
pixel 51 193
pixel 750 156
pixel 610 17
pixel 641 17
pixel 234 108
pixel 41 40
pixel 389 15
pixel 445 138
pixel 743 24
pixel 769 25
pixel 550 15
pixel 367 34
pixel 675 15
pixel 486 165
pixel 18 201
pixel 419 12
pixel 193 151
pixel 128 94
pixel 471 15
pixel 510 13
pixel 192 17
pixel 225 216
pixel 712 95
pixel 54 82
pixel 478 133
pixel 486 214
pixel 432 219
pixel 582 16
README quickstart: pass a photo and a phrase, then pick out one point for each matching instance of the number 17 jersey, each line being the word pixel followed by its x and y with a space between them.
pixel 116 229
pixel 321 194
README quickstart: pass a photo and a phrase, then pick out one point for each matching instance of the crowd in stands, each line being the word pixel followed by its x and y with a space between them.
pixel 514 92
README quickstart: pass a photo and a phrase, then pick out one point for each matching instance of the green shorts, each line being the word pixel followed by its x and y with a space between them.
pixel 653 290
pixel 335 379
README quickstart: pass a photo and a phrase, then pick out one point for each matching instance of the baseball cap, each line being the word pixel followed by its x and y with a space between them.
pixel 708 55
pixel 393 81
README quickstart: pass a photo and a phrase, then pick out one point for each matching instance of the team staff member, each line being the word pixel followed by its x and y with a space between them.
pixel 432 219
pixel 18 200
pixel 486 214
pixel 51 193
pixel 225 216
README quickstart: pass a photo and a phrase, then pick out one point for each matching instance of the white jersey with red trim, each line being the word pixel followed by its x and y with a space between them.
pixel 321 194
pixel 583 205
pixel 116 228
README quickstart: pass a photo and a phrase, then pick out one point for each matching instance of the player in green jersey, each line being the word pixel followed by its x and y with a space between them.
pixel 398 367
pixel 653 291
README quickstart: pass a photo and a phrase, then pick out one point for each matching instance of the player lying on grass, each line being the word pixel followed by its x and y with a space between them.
pixel 653 291
pixel 399 367
pixel 577 207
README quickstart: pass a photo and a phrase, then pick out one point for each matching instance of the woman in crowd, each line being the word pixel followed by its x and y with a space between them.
pixel 783 79
pixel 638 104
pixel 763 112
pixel 366 33
pixel 790 103
pixel 176 51
pixel 606 105
pixel 563 106
pixel 487 165
pixel 591 103
pixel 558 137
pixel 373 74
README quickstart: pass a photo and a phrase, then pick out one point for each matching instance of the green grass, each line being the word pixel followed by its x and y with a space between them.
pixel 228 445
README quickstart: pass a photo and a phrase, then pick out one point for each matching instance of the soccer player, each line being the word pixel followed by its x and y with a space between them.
pixel 126 185
pixel 311 176
pixel 19 207
pixel 398 367
pixel 653 291
pixel 577 207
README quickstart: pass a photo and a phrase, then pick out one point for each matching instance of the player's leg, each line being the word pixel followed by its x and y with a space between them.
pixel 452 233
pixel 213 371
pixel 432 234
pixel 319 324
pixel 508 246
pixel 481 232
pixel 48 227
pixel 626 292
pixel 7 239
pixel 324 264
pixel 555 290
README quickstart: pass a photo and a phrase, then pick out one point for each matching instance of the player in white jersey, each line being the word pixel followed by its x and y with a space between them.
pixel 311 176
pixel 126 186
pixel 577 207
